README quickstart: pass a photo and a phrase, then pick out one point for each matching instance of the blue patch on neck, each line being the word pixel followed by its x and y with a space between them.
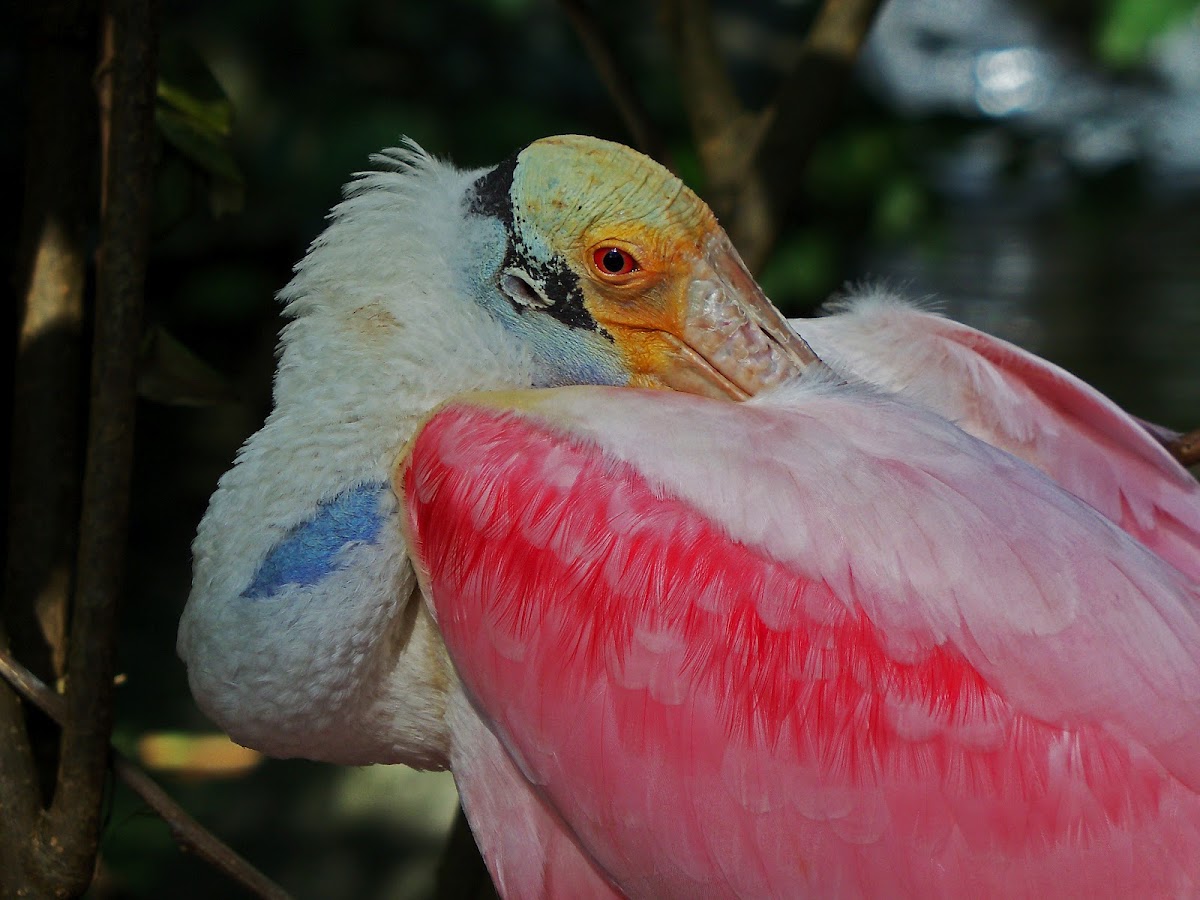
pixel 307 554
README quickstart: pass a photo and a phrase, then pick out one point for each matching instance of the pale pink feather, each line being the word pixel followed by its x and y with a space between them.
pixel 531 852
pixel 822 644
pixel 1023 404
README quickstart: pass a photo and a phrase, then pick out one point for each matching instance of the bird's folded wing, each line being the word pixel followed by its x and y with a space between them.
pixel 1026 405
pixel 821 643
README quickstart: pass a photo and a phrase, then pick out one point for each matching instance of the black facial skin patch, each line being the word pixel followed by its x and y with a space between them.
pixel 491 195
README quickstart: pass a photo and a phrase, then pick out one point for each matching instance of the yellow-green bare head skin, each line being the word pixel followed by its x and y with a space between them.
pixel 579 188
pixel 642 284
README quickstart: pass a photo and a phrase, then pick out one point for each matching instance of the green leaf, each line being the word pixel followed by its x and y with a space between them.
pixel 195 117
pixel 187 85
pixel 212 116
pixel 1130 26
pixel 197 144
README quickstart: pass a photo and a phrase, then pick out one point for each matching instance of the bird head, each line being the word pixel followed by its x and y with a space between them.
pixel 614 272
pixel 577 261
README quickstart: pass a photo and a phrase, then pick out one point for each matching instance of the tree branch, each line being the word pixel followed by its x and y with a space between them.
pixel 68 835
pixel 804 106
pixel 708 92
pixel 57 214
pixel 43 508
pixel 18 787
pixel 724 130
pixel 754 161
pixel 1186 447
pixel 189 834
pixel 620 86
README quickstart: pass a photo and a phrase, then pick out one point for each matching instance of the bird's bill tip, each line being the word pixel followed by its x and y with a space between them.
pixel 739 344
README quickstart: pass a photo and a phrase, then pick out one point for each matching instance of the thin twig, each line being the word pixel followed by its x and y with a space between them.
pixel 19 794
pixel 617 81
pixel 189 834
pixel 31 687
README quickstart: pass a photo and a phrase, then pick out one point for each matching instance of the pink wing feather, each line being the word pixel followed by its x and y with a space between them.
pixel 1021 403
pixel 819 645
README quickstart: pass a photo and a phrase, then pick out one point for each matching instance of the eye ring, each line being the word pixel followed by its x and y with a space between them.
pixel 613 262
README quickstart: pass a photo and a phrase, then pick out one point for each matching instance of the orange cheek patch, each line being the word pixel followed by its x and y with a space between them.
pixel 645 353
pixel 644 310
pixel 654 307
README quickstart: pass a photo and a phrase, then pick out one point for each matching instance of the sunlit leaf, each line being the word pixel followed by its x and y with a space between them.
pixel 196 755
pixel 195 117
pixel 213 116
pixel 186 83
pixel 198 144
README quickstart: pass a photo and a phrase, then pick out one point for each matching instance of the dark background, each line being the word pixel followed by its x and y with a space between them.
pixel 1036 194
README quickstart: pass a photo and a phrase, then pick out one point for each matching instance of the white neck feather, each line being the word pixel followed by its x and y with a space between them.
pixel 347 668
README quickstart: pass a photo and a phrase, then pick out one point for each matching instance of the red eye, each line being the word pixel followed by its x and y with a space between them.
pixel 614 261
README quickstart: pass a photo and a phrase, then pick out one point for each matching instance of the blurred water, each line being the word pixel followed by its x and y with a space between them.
pixel 998 59
pixel 1112 293
pixel 1120 308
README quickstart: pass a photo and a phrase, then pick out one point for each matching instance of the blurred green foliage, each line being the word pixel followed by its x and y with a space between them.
pixel 195 119
pixel 1128 27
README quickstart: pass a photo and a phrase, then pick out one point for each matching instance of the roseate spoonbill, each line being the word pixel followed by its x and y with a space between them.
pixel 578 261
pixel 819 644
